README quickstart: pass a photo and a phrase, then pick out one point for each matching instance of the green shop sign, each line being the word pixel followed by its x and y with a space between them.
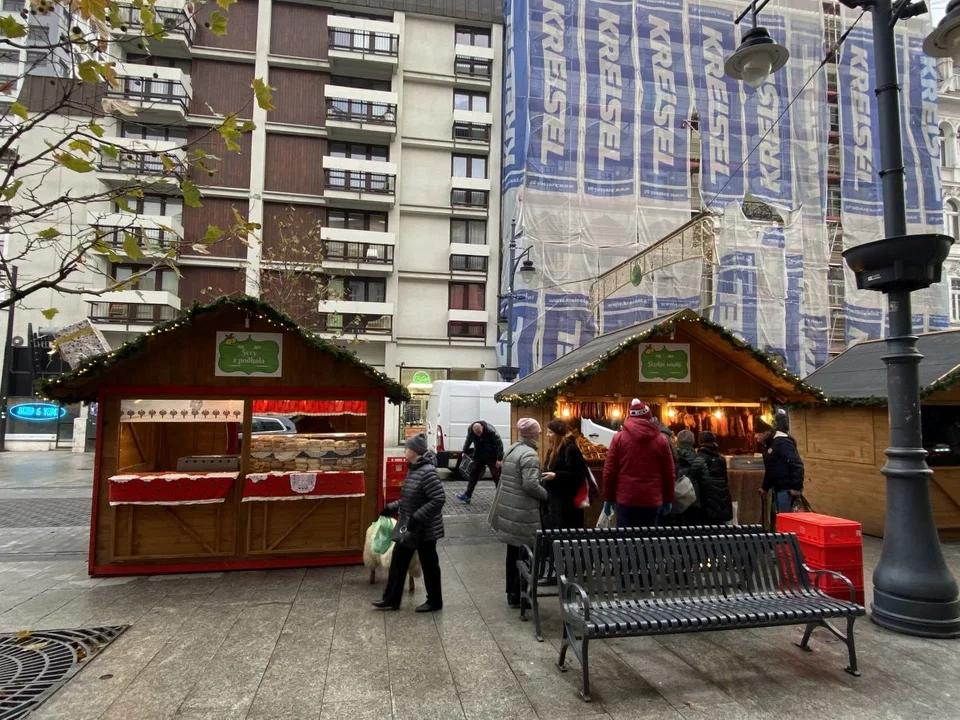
pixel 250 354
pixel 661 362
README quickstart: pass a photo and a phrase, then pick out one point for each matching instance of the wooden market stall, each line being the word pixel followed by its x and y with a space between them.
pixel 178 487
pixel 843 442
pixel 694 375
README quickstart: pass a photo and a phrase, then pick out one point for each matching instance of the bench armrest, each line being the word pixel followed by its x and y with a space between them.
pixel 569 590
pixel 832 573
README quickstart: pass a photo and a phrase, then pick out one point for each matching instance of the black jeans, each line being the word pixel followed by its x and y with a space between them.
pixel 400 565
pixel 637 516
pixel 476 472
pixel 513 574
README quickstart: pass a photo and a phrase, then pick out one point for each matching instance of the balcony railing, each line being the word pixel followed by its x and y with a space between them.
pixel 352 324
pixel 477 199
pixel 148 239
pixel 139 164
pixel 130 313
pixel 358 252
pixel 13 5
pixel 472 67
pixel 468 263
pixel 172 19
pixel 362 111
pixel 471 131
pixel 153 90
pixel 364 41
pixel 472 330
pixel 361 182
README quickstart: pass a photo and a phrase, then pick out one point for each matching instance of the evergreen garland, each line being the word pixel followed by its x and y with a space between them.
pixel 667 326
pixel 57 387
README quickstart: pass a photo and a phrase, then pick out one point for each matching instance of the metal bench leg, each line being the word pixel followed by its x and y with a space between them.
pixel 585 693
pixel 851 648
pixel 535 607
pixel 564 644
pixel 805 643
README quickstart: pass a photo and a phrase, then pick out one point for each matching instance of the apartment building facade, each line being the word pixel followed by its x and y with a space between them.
pixel 950 173
pixel 385 134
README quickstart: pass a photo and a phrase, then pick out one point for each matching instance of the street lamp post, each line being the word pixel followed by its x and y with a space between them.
pixel 914 592
pixel 510 371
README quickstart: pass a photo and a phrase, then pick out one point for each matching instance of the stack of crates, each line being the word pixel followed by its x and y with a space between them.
pixel 829 543
pixel 393 478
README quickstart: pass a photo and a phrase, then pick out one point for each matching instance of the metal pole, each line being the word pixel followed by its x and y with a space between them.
pixel 509 375
pixel 914 592
pixel 7 362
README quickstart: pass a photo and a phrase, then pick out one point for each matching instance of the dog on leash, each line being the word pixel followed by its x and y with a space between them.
pixel 372 561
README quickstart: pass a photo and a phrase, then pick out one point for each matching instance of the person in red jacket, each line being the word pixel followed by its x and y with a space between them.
pixel 639 474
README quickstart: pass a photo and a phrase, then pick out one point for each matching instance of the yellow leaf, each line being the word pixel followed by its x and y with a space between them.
pixel 263 94
pixel 218 24
pixel 20 110
pixel 225 4
pixel 34 646
pixel 24 634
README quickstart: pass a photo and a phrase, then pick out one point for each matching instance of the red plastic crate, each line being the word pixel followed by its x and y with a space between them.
pixel 390 494
pixel 829 584
pixel 820 529
pixel 835 557
pixel 396 470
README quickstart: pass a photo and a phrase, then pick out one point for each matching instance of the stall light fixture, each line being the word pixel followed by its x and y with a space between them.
pixel 718 414
pixel 565 412
pixel 615 414
pixel 671 413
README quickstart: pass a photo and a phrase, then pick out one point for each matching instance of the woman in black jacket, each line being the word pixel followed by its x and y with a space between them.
pixel 421 507
pixel 715 500
pixel 566 471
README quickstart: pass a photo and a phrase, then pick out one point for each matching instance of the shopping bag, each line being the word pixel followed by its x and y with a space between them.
pixel 607 521
pixel 582 499
pixel 465 467
pixel 683 495
pixel 382 535
pixel 801 504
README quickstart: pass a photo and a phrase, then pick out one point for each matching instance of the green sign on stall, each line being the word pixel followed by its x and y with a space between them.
pixel 250 354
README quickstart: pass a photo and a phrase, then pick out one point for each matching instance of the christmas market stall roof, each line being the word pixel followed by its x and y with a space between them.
pixel 175 336
pixel 858 376
pixel 591 358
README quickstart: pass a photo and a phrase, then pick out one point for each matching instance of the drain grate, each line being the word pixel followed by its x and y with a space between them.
pixel 34 665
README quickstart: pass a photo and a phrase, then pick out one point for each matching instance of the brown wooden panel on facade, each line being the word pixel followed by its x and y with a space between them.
pixel 231 169
pixel 281 220
pixel 147 533
pixel 218 212
pixel 298 31
pixel 844 434
pixel 299 96
pixel 281 528
pixel 206 284
pixel 295 164
pixel 62 97
pixel 241 26
pixel 222 88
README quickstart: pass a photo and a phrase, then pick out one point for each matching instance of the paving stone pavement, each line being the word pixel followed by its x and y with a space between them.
pixel 296 644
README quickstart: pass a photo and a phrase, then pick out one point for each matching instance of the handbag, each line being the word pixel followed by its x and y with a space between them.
pixel 466 466
pixel 404 536
pixel 684 494
pixel 588 492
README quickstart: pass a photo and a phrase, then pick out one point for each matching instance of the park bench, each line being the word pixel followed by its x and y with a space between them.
pixel 533 561
pixel 664 584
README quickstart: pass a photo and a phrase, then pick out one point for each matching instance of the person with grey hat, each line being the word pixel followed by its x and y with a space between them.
pixel 693 466
pixel 420 508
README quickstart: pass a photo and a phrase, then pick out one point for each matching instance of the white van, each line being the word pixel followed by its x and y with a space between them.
pixel 456 404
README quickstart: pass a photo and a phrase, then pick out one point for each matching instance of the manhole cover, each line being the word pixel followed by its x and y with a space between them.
pixel 33 665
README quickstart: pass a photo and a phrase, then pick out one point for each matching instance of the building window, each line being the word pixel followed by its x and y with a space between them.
pixel 473 199
pixel 153 132
pixel 158 279
pixel 475 37
pixel 360 83
pixel 468 263
pixel 357 220
pixel 948 146
pixel 359 151
pixel 474 101
pixel 467 296
pixel 951 219
pixel 468 232
pixel 955 299
pixel 470 166
pixel 357 289
pixel 153 205
pixel 472 67
pixel 834 202
pixel 835 286
pixel 473 330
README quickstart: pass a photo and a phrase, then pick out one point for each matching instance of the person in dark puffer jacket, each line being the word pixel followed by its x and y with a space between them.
pixel 693 466
pixel 717 505
pixel 421 505
pixel 783 468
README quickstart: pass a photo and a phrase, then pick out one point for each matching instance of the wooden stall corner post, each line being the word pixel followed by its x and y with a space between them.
pixel 242 524
pixel 95 494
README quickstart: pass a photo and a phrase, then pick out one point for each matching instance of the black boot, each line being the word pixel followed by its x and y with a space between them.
pixel 384 605
pixel 428 608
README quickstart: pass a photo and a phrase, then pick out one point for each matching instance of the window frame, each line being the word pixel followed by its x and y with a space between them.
pixel 472 34
pixel 158 273
pixel 468 224
pixel 954 298
pixel 472 96
pixel 367 216
pixel 470 160
pixel 368 149
pixel 453 286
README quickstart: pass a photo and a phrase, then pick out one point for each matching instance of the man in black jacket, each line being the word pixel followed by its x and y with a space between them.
pixel 487 453
pixel 783 468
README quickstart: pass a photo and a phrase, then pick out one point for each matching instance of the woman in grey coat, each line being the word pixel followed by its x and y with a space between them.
pixel 421 507
pixel 515 515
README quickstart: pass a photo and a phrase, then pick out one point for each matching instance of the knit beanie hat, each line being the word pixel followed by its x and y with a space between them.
pixel 707 438
pixel 685 437
pixel 528 428
pixel 638 408
pixel 557 426
pixel 417 443
pixel 780 421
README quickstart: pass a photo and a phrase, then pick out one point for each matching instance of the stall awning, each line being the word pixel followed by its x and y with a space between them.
pixel 585 361
pixel 858 376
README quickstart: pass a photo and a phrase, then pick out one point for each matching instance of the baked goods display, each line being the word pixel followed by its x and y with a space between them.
pixel 301 453
pixel 591 451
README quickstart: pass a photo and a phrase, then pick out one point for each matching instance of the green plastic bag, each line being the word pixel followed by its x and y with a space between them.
pixel 381 538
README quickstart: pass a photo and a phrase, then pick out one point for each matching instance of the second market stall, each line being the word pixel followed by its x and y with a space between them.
pixel 231 438
pixel 693 373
